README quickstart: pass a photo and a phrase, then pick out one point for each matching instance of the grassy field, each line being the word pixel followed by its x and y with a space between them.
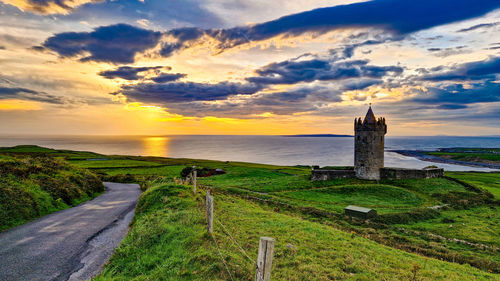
pixel 168 241
pixel 315 241
pixel 113 163
pixel 405 221
pixel 31 187
pixel 486 155
pixel 488 181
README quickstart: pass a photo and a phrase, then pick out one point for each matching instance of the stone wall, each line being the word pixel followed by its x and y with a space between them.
pixel 401 173
pixel 369 153
pixel 318 174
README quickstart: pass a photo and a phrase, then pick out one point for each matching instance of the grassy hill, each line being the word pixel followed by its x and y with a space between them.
pixel 432 229
pixel 168 240
pixel 35 185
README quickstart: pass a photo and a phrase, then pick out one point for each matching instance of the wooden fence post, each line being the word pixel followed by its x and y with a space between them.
pixel 210 213
pixel 265 259
pixel 194 179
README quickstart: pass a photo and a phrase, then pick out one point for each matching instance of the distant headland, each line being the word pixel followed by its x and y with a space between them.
pixel 321 136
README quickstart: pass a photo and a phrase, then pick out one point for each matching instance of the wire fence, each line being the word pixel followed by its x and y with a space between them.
pixel 266 245
pixel 222 257
pixel 258 264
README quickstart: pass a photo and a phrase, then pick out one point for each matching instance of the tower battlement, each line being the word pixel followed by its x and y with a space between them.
pixel 363 125
pixel 369 146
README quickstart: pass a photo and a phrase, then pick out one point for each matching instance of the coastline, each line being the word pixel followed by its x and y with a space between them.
pixel 420 154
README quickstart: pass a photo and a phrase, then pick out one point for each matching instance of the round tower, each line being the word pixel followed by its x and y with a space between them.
pixel 369 146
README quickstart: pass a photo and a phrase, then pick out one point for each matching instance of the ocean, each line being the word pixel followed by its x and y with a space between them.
pixel 278 150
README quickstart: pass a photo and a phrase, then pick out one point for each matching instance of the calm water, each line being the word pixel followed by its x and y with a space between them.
pixel 277 150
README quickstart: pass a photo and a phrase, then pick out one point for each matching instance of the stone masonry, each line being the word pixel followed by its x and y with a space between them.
pixel 369 146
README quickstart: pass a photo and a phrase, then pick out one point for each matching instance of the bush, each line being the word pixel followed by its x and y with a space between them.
pixel 203 172
pixel 35 186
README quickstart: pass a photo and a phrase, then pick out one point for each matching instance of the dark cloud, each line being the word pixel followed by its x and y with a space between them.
pixel 292 71
pixel 127 72
pixel 459 94
pixel 478 26
pixel 477 70
pixel 119 43
pixel 28 94
pixel 301 99
pixel 448 106
pixel 168 77
pixel 158 13
pixel 395 16
pixel 185 91
pixel 115 43
pixel 445 52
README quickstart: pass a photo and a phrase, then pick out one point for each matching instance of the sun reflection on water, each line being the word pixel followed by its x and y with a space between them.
pixel 155 146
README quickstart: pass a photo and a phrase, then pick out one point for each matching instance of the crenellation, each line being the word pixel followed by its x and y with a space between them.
pixel 369 146
pixel 369 138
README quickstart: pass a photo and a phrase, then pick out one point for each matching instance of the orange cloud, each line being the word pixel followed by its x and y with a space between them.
pixel 48 6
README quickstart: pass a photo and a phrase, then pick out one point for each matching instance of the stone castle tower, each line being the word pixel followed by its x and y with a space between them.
pixel 369 146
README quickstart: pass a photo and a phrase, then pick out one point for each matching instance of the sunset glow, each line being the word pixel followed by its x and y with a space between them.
pixel 202 67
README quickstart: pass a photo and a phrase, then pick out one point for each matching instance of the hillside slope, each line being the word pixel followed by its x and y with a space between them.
pixel 168 241
pixel 31 187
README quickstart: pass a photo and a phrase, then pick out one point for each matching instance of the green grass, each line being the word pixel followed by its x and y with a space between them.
pixel 479 225
pixel 112 163
pixel 167 241
pixel 26 149
pixel 468 156
pixel 427 186
pixel 401 200
pixel 488 181
pixel 34 150
pixel 379 196
pixel 269 179
pixel 31 187
pixel 167 171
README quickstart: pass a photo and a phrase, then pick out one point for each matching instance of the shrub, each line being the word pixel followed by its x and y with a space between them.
pixel 34 186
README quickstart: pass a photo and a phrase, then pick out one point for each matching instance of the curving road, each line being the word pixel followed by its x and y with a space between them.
pixel 71 244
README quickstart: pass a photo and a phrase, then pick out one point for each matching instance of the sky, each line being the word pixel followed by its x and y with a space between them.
pixel 165 67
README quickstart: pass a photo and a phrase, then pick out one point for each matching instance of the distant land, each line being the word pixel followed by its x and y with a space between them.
pixel 321 136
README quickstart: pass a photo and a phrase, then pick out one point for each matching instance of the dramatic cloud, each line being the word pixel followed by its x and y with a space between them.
pixel 168 77
pixel 291 71
pixel 149 13
pixel 469 71
pixel 115 43
pixel 451 106
pixel 48 6
pixel 397 17
pixel 459 94
pixel 299 99
pixel 479 26
pixel 27 94
pixel 184 92
pixel 127 72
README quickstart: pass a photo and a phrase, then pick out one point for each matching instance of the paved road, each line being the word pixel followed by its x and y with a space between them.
pixel 70 244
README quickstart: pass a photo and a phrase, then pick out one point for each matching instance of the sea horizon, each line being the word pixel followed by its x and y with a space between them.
pixel 265 149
